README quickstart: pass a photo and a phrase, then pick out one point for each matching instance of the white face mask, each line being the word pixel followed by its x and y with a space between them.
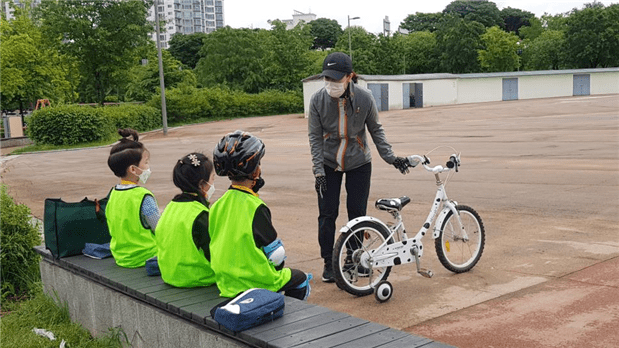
pixel 210 192
pixel 145 175
pixel 335 89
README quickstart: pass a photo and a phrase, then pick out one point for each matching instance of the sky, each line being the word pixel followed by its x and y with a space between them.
pixel 256 13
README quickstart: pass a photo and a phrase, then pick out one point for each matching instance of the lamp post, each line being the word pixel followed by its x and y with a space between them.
pixel 164 115
pixel 349 44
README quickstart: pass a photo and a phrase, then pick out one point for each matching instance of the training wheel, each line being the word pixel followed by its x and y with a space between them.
pixel 383 291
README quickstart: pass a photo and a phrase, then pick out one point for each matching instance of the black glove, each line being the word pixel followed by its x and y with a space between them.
pixel 321 185
pixel 401 164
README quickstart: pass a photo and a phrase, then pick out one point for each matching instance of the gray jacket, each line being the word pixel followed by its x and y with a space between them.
pixel 337 130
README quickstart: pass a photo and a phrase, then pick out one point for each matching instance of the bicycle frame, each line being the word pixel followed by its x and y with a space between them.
pixel 408 250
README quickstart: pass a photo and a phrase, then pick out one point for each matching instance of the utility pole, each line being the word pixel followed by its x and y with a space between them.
pixel 349 42
pixel 164 115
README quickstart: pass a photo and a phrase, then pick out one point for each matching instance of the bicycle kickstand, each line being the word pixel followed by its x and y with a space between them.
pixel 424 272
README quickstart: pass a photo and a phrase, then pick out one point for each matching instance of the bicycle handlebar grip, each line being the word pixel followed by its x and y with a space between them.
pixel 413 160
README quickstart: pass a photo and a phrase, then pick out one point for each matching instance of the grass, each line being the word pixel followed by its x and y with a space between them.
pixel 43 312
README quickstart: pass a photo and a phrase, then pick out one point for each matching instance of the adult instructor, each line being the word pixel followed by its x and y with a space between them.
pixel 339 114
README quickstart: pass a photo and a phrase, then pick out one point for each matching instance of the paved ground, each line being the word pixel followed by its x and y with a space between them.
pixel 543 174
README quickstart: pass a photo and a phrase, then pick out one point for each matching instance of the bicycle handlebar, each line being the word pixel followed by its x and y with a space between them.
pixel 452 163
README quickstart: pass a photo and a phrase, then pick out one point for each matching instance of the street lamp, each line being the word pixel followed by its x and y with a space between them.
pixel 349 44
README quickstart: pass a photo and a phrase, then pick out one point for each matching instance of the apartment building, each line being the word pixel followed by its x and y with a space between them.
pixel 187 17
pixel 9 11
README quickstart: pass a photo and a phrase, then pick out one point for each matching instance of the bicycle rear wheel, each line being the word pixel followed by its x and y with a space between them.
pixel 455 253
pixel 352 271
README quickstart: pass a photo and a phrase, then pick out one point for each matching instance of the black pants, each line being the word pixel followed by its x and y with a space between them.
pixel 296 278
pixel 357 194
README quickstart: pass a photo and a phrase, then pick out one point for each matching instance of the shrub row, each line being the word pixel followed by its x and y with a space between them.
pixel 187 103
pixel 75 124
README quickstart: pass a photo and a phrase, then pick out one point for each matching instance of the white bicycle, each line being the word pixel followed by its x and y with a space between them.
pixel 367 247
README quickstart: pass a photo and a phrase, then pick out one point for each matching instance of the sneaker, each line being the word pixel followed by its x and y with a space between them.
pixel 362 272
pixel 327 274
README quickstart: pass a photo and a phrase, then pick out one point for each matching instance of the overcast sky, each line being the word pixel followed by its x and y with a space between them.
pixel 256 13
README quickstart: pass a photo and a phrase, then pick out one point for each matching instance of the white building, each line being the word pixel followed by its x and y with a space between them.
pixel 394 92
pixel 187 17
pixel 297 17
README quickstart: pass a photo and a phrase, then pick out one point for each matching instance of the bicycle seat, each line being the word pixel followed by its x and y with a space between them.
pixel 390 204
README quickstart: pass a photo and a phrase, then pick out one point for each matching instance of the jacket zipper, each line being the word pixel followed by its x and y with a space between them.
pixel 343 133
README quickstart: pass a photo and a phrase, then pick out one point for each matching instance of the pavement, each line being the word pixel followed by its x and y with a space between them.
pixel 543 174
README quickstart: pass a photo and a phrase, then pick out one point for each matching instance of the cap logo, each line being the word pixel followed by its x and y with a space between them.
pixel 329 64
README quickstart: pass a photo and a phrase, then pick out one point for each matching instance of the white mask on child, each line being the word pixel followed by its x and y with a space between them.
pixel 335 89
pixel 145 175
pixel 210 192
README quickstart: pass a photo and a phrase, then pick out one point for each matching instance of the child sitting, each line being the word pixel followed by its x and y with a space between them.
pixel 132 212
pixel 182 233
pixel 245 250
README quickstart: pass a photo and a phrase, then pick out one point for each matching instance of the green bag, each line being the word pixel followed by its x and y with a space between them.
pixel 68 226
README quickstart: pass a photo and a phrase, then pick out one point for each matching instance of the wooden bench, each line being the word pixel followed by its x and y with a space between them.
pixel 100 295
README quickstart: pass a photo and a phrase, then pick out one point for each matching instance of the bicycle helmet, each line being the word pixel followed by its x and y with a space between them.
pixel 238 154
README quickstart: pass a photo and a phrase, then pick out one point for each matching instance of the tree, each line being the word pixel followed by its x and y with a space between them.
pixel 500 53
pixel 422 22
pixel 482 11
pixel 513 19
pixel 30 68
pixel 545 52
pixel 325 32
pixel 233 58
pixel 556 22
pixel 419 52
pixel 532 31
pixel 144 79
pixel 286 62
pixel 457 45
pixel 390 54
pixel 363 48
pixel 592 36
pixel 103 35
pixel 186 48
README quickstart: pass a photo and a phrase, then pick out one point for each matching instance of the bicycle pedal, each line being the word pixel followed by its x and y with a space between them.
pixel 425 272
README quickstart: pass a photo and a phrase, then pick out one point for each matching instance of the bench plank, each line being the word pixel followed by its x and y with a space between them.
pixel 88 263
pixel 318 332
pixel 288 318
pixel 345 336
pixel 293 305
pixel 179 306
pixel 375 340
pixel 408 341
pixel 301 325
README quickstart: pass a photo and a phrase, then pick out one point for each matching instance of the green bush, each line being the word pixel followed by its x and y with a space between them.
pixel 18 237
pixel 189 103
pixel 69 125
pixel 138 117
pixel 183 104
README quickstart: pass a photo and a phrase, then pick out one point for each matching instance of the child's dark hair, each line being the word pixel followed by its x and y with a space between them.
pixel 126 153
pixel 190 171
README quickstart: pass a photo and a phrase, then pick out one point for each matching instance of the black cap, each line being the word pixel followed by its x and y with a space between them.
pixel 336 66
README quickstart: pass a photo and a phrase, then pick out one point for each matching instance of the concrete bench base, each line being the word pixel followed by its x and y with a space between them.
pixel 101 295
pixel 98 308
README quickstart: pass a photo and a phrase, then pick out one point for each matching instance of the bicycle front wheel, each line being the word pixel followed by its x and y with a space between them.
pixel 351 265
pixel 456 252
